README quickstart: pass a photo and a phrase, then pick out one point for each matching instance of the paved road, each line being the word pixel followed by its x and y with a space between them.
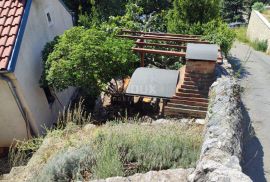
pixel 255 79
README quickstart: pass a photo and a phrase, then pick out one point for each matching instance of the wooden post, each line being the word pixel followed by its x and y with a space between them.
pixel 142 53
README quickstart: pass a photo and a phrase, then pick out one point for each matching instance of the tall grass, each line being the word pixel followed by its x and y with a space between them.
pixel 126 149
pixel 241 34
pixel 258 45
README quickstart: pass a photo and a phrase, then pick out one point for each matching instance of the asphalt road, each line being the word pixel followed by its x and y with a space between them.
pixel 254 72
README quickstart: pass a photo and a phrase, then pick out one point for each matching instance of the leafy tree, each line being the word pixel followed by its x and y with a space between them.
pixel 259 6
pixel 189 13
pixel 232 10
pixel 219 33
pixel 88 59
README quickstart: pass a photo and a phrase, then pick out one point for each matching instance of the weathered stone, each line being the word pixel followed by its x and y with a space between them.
pixel 222 148
pixel 172 175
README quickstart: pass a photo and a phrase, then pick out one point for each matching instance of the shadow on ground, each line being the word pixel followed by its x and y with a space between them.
pixel 252 162
pixel 238 67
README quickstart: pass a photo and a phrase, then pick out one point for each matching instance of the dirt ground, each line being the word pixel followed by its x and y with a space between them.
pixel 4 167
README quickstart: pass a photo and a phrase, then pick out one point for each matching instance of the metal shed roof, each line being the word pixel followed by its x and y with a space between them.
pixel 204 52
pixel 153 82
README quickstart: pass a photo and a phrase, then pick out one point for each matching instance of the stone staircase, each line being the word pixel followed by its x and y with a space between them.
pixel 191 98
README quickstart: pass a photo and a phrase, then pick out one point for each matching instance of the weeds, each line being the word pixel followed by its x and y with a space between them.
pixel 22 151
pixel 241 34
pixel 125 149
pixel 260 45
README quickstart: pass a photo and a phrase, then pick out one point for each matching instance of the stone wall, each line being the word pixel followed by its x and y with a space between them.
pixel 222 148
pixel 259 28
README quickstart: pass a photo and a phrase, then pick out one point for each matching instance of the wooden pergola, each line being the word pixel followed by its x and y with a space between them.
pixel 172 41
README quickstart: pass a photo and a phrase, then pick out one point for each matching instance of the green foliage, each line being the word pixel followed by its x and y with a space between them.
pixel 21 151
pixel 67 165
pixel 131 20
pixel 233 10
pixel 123 150
pixel 219 33
pixel 88 59
pixel 259 6
pixel 260 45
pixel 241 34
pixel 189 13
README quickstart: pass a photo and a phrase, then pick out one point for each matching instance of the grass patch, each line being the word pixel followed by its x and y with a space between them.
pixel 241 34
pixel 125 149
pixel 266 13
pixel 258 45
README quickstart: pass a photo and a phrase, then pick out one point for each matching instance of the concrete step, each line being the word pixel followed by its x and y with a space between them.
pixel 192 99
pixel 181 94
pixel 200 85
pixel 189 102
pixel 210 80
pixel 171 111
pixel 189 86
pixel 194 91
pixel 198 75
pixel 184 106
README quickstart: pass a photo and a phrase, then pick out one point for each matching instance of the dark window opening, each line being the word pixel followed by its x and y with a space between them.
pixel 49 95
pixel 49 17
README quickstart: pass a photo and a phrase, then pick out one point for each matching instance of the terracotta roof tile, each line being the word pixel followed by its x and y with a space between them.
pixel 11 12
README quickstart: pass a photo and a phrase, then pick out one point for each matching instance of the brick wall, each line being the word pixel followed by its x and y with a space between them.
pixel 259 28
pixel 202 67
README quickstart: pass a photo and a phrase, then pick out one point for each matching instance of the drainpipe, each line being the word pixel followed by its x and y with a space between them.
pixel 19 103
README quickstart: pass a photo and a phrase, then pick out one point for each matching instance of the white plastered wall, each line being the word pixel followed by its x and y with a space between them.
pixel 29 66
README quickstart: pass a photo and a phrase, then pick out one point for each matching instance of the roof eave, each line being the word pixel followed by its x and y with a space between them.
pixel 18 42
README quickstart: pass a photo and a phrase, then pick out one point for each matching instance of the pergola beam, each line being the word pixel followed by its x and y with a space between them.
pixel 181 40
pixel 161 52
pixel 160 34
pixel 161 45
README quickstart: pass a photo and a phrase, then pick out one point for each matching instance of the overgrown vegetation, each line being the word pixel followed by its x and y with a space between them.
pixel 259 6
pixel 88 59
pixel 75 150
pixel 125 149
pixel 258 45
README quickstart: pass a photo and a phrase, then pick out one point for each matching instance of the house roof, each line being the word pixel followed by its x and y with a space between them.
pixel 202 52
pixel 11 13
pixel 152 82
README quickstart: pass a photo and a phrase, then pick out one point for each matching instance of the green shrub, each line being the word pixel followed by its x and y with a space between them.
pixel 258 6
pixel 88 59
pixel 21 151
pixel 259 45
pixel 241 34
pixel 123 150
pixel 219 33
pixel 68 165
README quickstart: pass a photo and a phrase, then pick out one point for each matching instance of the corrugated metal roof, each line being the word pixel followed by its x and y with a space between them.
pixel 11 12
pixel 207 52
pixel 153 82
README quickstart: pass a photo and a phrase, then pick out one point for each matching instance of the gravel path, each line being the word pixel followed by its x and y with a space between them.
pixel 255 79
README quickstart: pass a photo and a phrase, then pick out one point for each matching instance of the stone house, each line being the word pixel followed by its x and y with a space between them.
pixel 25 27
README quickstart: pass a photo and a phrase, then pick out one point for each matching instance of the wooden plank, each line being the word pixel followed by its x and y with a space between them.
pixel 161 52
pixel 164 39
pixel 161 34
pixel 161 45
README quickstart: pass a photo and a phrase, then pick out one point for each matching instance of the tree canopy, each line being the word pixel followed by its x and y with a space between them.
pixel 88 59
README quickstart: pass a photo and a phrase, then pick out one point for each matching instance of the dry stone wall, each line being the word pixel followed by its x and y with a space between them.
pixel 222 148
